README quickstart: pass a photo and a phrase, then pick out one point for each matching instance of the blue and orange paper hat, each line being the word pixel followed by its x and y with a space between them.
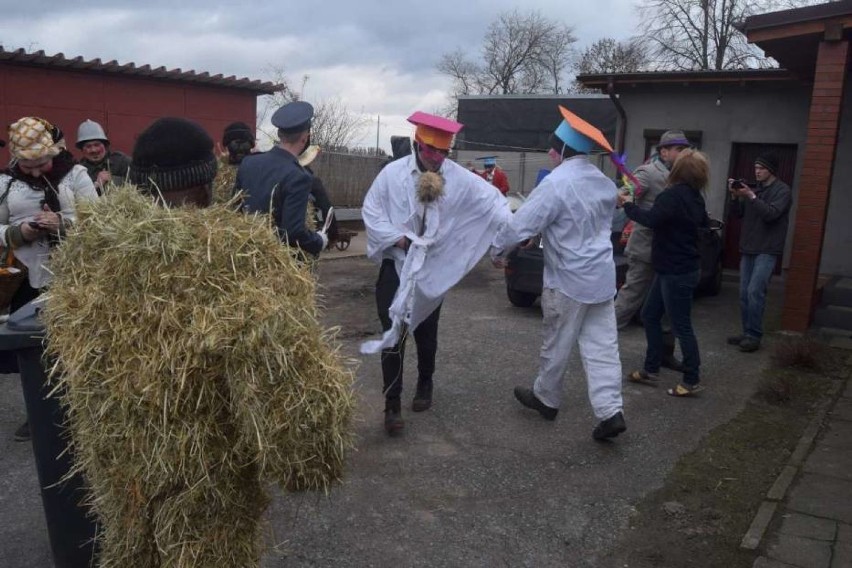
pixel 488 160
pixel 579 134
pixel 435 131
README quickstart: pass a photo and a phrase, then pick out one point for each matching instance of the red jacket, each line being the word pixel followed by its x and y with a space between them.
pixel 497 178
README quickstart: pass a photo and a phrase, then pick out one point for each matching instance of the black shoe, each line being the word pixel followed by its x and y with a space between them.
pixel 673 363
pixel 736 339
pixel 610 428
pixel 749 344
pixel 423 396
pixel 393 418
pixel 527 397
pixel 22 434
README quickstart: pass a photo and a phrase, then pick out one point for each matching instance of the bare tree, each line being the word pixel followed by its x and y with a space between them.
pixel 700 34
pixel 333 125
pixel 610 56
pixel 522 52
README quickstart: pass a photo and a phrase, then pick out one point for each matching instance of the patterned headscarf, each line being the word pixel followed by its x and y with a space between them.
pixel 31 138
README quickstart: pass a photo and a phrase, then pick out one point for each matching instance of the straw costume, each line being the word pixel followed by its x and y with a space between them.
pixel 194 372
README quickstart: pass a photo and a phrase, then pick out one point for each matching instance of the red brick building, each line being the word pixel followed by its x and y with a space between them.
pixel 813 43
pixel 123 98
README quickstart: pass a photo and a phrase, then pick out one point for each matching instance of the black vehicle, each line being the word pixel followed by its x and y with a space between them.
pixel 525 268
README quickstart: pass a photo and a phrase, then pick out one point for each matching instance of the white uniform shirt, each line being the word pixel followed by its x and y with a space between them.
pixel 572 208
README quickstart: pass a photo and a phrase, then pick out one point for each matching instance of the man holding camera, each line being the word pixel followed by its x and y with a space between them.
pixel 765 209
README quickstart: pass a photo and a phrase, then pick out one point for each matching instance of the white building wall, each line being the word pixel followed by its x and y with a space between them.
pixel 774 115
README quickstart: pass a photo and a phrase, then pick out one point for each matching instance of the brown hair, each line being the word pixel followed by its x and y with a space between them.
pixel 692 168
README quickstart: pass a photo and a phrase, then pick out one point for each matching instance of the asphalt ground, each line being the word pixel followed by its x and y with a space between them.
pixel 477 480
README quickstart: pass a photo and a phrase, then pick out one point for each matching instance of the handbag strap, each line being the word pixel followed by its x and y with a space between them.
pixel 6 193
pixel 10 255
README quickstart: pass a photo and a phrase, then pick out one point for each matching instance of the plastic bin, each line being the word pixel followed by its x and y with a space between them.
pixel 69 528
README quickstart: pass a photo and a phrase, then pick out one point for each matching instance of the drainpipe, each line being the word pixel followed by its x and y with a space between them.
pixel 622 123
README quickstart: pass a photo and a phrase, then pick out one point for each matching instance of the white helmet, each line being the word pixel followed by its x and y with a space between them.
pixel 90 130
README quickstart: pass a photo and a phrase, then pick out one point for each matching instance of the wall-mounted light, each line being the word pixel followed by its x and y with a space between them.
pixel 719 98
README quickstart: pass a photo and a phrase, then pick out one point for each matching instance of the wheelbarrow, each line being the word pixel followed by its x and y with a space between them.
pixel 344 237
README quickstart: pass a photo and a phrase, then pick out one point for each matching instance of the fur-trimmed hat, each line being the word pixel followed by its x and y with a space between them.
pixel 237 131
pixel 173 154
pixel 768 161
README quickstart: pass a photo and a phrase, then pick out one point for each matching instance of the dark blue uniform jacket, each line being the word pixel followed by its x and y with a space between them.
pixel 275 183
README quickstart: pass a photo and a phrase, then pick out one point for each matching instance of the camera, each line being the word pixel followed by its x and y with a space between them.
pixel 739 184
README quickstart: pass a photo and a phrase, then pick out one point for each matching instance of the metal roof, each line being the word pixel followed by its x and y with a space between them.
pixel 796 16
pixel 601 80
pixel 59 61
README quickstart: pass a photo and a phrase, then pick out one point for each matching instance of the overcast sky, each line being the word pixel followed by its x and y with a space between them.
pixel 377 56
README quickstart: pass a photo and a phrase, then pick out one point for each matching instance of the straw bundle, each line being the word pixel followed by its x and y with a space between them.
pixel 223 183
pixel 193 371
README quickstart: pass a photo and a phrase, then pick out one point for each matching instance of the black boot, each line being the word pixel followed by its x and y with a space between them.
pixel 423 397
pixel 668 358
pixel 393 417
pixel 610 428
pixel 528 398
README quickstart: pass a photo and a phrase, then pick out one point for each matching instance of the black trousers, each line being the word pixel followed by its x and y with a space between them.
pixel 425 336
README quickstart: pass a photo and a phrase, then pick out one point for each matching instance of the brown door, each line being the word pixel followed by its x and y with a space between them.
pixel 742 167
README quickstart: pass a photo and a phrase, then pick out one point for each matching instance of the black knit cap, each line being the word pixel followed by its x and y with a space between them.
pixel 768 161
pixel 237 131
pixel 172 154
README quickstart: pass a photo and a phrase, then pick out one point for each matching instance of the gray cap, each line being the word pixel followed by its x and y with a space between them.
pixel 673 138
pixel 293 117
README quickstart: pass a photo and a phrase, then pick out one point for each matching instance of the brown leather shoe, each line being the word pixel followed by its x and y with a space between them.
pixel 423 396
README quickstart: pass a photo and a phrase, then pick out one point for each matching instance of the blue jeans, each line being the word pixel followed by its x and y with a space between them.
pixel 672 294
pixel 755 272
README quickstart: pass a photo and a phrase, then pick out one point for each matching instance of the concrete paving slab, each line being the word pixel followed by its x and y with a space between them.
pixel 801 552
pixel 806 526
pixel 842 557
pixel 763 562
pixel 838 435
pixel 844 533
pixel 822 496
pixel 782 483
pixel 840 342
pixel 830 462
pixel 842 410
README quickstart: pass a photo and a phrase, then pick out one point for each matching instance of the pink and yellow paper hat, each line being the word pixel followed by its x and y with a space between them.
pixel 436 131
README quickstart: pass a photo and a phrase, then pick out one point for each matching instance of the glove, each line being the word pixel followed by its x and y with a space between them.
pixel 324 238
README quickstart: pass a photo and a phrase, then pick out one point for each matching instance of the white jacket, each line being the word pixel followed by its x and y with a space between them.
pixel 23 203
pixel 572 209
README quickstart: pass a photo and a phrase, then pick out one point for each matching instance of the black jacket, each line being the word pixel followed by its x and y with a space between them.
pixel 676 216
pixel 275 178
pixel 765 218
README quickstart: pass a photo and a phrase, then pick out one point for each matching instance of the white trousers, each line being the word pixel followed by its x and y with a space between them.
pixel 592 326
